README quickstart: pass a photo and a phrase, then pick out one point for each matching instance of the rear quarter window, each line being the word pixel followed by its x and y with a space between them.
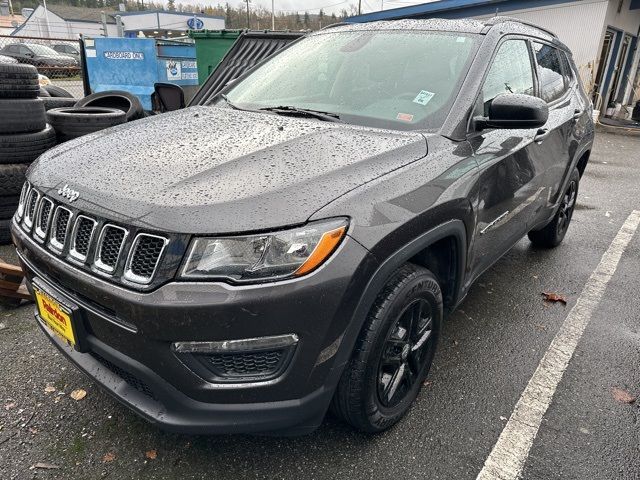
pixel 550 73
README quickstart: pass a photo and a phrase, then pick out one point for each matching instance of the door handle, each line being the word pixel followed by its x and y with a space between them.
pixel 541 135
pixel 577 113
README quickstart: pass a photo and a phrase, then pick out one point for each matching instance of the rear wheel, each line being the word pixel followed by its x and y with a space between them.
pixel 553 233
pixel 393 353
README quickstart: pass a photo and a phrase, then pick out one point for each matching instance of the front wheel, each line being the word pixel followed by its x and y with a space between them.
pixel 553 233
pixel 394 352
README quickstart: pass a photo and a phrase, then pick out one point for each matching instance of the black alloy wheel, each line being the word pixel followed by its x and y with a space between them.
pixel 552 234
pixel 567 206
pixel 393 353
pixel 409 345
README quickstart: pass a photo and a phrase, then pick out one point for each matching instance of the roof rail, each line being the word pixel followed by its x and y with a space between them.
pixel 337 24
pixel 501 19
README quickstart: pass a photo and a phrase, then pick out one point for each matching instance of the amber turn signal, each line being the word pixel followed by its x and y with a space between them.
pixel 326 246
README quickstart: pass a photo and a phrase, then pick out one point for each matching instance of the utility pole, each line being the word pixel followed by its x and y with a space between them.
pixel 103 18
pixel 273 16
pixel 381 5
pixel 359 7
pixel 248 24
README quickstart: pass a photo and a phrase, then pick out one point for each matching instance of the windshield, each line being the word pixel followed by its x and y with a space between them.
pixel 42 50
pixel 388 79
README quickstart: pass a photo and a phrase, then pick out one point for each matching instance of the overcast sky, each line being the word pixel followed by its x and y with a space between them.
pixel 313 6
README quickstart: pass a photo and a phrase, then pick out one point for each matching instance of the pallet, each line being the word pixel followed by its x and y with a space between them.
pixel 13 289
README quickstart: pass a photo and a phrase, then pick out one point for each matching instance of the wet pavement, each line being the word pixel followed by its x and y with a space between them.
pixel 490 349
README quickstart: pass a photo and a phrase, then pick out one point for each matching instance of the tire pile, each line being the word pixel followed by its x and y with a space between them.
pixel 24 135
pixel 90 114
pixel 34 119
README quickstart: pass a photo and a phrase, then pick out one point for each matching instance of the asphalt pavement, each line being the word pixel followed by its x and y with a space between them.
pixel 490 349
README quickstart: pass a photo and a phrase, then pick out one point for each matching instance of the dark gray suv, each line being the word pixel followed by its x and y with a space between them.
pixel 296 243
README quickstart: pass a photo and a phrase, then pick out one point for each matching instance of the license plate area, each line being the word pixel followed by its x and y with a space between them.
pixel 59 314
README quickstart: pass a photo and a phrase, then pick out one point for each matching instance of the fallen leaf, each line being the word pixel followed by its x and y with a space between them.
pixel 622 396
pixel 151 454
pixel 49 389
pixel 554 297
pixel 46 466
pixel 9 406
pixel 108 457
pixel 78 394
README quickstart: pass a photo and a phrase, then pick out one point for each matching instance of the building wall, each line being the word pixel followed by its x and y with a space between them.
pixel 584 39
pixel 629 22
pixel 166 21
pixel 36 26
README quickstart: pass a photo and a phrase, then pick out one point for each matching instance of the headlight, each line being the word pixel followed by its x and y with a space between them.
pixel 268 256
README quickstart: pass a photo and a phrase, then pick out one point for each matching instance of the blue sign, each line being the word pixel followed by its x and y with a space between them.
pixel 195 23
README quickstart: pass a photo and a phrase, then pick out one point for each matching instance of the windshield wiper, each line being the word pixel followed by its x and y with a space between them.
pixel 229 102
pixel 303 112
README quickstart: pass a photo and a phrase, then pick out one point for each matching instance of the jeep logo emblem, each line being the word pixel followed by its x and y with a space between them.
pixel 68 193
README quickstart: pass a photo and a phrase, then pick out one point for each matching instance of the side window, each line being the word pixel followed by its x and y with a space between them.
pixel 550 75
pixel 24 50
pixel 566 68
pixel 510 72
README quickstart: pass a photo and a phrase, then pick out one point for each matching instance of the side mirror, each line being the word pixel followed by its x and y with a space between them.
pixel 515 110
pixel 168 97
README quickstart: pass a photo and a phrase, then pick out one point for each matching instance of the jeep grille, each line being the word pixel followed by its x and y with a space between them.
pixel 93 243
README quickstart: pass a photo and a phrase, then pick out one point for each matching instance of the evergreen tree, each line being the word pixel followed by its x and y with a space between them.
pixel 307 20
pixel 171 5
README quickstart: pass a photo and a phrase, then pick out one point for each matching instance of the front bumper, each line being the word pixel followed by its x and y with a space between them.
pixel 129 335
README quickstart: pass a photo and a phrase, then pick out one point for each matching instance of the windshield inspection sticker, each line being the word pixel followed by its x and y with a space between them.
pixel 405 117
pixel 423 97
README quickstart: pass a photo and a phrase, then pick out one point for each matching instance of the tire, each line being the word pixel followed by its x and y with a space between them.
pixel 73 122
pixel 18 81
pixel 22 115
pixel 57 92
pixel 8 206
pixel 43 93
pixel 552 234
pixel 366 397
pixel 57 102
pixel 26 147
pixel 5 234
pixel 121 100
pixel 12 178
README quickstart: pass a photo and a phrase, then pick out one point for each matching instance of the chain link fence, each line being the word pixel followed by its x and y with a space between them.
pixel 56 58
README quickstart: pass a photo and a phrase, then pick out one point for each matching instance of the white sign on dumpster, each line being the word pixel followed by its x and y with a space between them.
pixel 174 70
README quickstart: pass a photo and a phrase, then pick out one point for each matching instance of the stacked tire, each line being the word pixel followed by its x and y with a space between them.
pixel 92 113
pixel 24 135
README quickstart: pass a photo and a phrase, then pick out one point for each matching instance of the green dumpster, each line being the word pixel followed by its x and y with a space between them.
pixel 211 46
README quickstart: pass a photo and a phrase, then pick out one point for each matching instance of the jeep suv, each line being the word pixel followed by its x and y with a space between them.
pixel 295 243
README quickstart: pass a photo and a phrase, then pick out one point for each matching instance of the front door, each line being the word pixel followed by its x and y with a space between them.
pixel 508 190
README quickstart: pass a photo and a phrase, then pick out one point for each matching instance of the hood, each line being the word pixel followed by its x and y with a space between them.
pixel 217 170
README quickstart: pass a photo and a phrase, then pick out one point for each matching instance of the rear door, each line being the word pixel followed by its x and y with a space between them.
pixel 554 140
pixel 509 183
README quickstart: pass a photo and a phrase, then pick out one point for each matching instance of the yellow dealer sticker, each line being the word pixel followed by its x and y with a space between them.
pixel 55 316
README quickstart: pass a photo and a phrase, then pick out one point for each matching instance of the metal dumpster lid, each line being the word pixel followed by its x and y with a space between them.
pixel 249 49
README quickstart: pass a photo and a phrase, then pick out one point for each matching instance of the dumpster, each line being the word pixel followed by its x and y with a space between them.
pixel 137 64
pixel 211 47
pixel 250 48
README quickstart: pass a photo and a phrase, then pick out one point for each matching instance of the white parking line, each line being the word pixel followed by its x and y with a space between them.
pixel 509 454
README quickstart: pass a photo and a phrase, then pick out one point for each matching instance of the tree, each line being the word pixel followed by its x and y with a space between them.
pixel 320 18
pixel 171 5
pixel 307 20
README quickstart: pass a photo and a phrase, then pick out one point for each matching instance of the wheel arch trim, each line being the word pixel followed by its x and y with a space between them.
pixel 453 228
